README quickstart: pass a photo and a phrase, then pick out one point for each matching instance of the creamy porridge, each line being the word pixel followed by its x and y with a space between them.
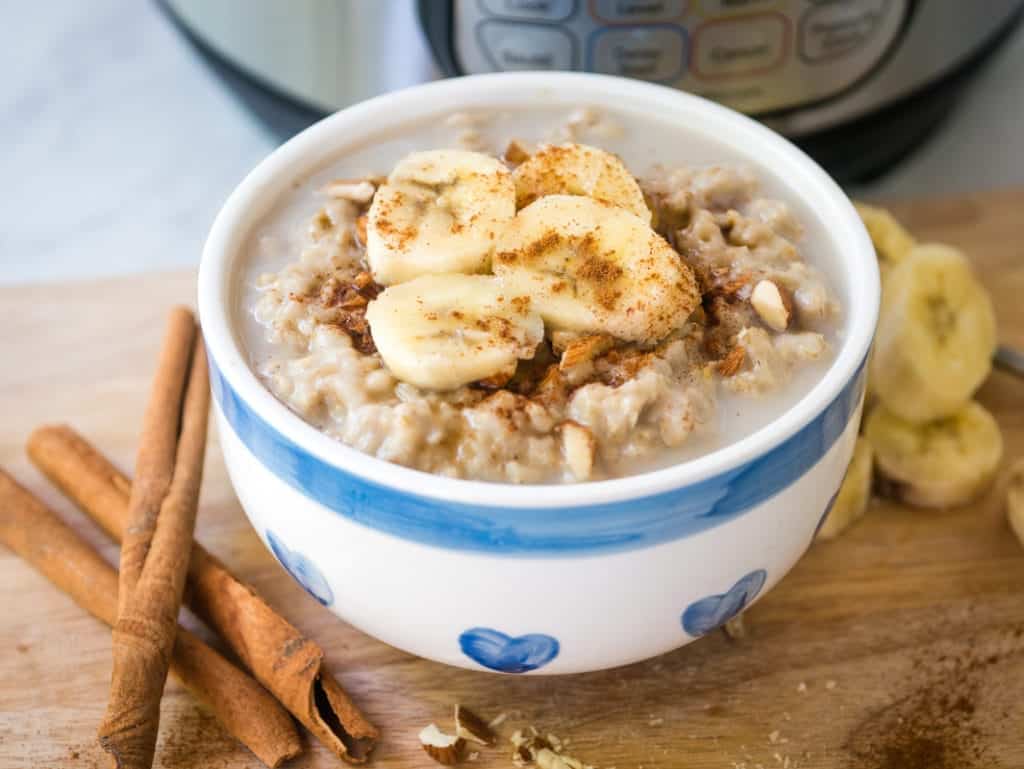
pixel 537 298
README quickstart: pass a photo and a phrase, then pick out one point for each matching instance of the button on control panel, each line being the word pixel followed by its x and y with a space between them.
pixel 637 11
pixel 656 53
pixel 519 46
pixel 529 10
pixel 836 30
pixel 740 46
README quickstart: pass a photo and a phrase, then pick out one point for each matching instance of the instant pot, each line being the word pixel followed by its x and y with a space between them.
pixel 857 83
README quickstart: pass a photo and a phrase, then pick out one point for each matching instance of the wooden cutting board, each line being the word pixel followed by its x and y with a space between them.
pixel 899 645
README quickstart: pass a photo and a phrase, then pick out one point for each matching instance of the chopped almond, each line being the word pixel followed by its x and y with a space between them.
pixel 353 301
pixel 620 366
pixel 446 749
pixel 515 153
pixel 362 280
pixel 772 304
pixel 562 339
pixel 470 726
pixel 361 229
pixel 735 628
pixel 732 362
pixel 585 349
pixel 734 285
pixel 545 752
pixel 579 447
pixel 496 381
pixel 552 389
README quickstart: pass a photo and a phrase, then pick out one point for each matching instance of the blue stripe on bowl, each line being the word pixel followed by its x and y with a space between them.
pixel 581 530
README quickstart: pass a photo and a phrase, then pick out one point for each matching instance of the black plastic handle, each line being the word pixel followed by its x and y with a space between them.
pixel 436 19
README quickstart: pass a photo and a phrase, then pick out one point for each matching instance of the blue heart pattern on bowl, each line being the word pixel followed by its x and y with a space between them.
pixel 708 613
pixel 303 570
pixel 507 654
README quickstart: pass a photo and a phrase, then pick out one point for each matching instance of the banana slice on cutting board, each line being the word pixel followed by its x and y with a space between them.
pixel 854 494
pixel 892 242
pixel 936 335
pixel 594 267
pixel 1015 499
pixel 440 211
pixel 941 464
pixel 578 169
pixel 439 332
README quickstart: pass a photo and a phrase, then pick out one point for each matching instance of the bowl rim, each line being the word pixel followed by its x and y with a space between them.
pixel 310 149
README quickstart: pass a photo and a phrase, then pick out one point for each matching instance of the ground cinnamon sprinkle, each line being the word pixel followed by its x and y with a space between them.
pixel 599 270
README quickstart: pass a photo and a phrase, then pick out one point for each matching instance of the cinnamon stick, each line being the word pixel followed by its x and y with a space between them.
pixel 157 543
pixel 243 707
pixel 278 655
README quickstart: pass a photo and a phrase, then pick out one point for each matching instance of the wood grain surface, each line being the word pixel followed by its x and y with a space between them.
pixel 901 642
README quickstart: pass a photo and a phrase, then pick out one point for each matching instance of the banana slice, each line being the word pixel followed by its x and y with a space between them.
pixel 440 211
pixel 1015 499
pixel 439 332
pixel 854 494
pixel 577 169
pixel 936 335
pixel 892 242
pixel 594 267
pixel 940 464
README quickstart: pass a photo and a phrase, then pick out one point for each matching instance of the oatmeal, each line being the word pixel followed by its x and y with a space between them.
pixel 534 312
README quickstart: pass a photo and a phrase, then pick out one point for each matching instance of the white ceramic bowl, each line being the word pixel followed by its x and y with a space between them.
pixel 541 579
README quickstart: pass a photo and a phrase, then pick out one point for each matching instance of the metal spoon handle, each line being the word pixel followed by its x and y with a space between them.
pixel 1009 359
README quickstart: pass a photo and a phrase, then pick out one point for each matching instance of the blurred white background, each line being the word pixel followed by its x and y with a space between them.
pixel 119 144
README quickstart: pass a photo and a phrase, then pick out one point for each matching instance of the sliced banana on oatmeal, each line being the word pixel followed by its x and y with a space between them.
pixel 594 267
pixel 936 335
pixel 440 211
pixel 941 464
pixel 578 169
pixel 439 332
pixel 854 494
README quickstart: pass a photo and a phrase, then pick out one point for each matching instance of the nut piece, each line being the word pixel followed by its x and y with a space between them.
pixel 562 339
pixel 735 628
pixel 358 191
pixel 584 349
pixel 772 304
pixel 470 726
pixel 545 752
pixel 496 382
pixel 1015 499
pixel 361 229
pixel 515 153
pixel 732 362
pixel 578 447
pixel 446 749
pixel 733 286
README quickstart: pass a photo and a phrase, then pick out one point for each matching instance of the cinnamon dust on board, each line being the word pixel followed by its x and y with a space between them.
pixel 934 727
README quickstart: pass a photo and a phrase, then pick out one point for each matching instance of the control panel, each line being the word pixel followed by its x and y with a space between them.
pixel 753 55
